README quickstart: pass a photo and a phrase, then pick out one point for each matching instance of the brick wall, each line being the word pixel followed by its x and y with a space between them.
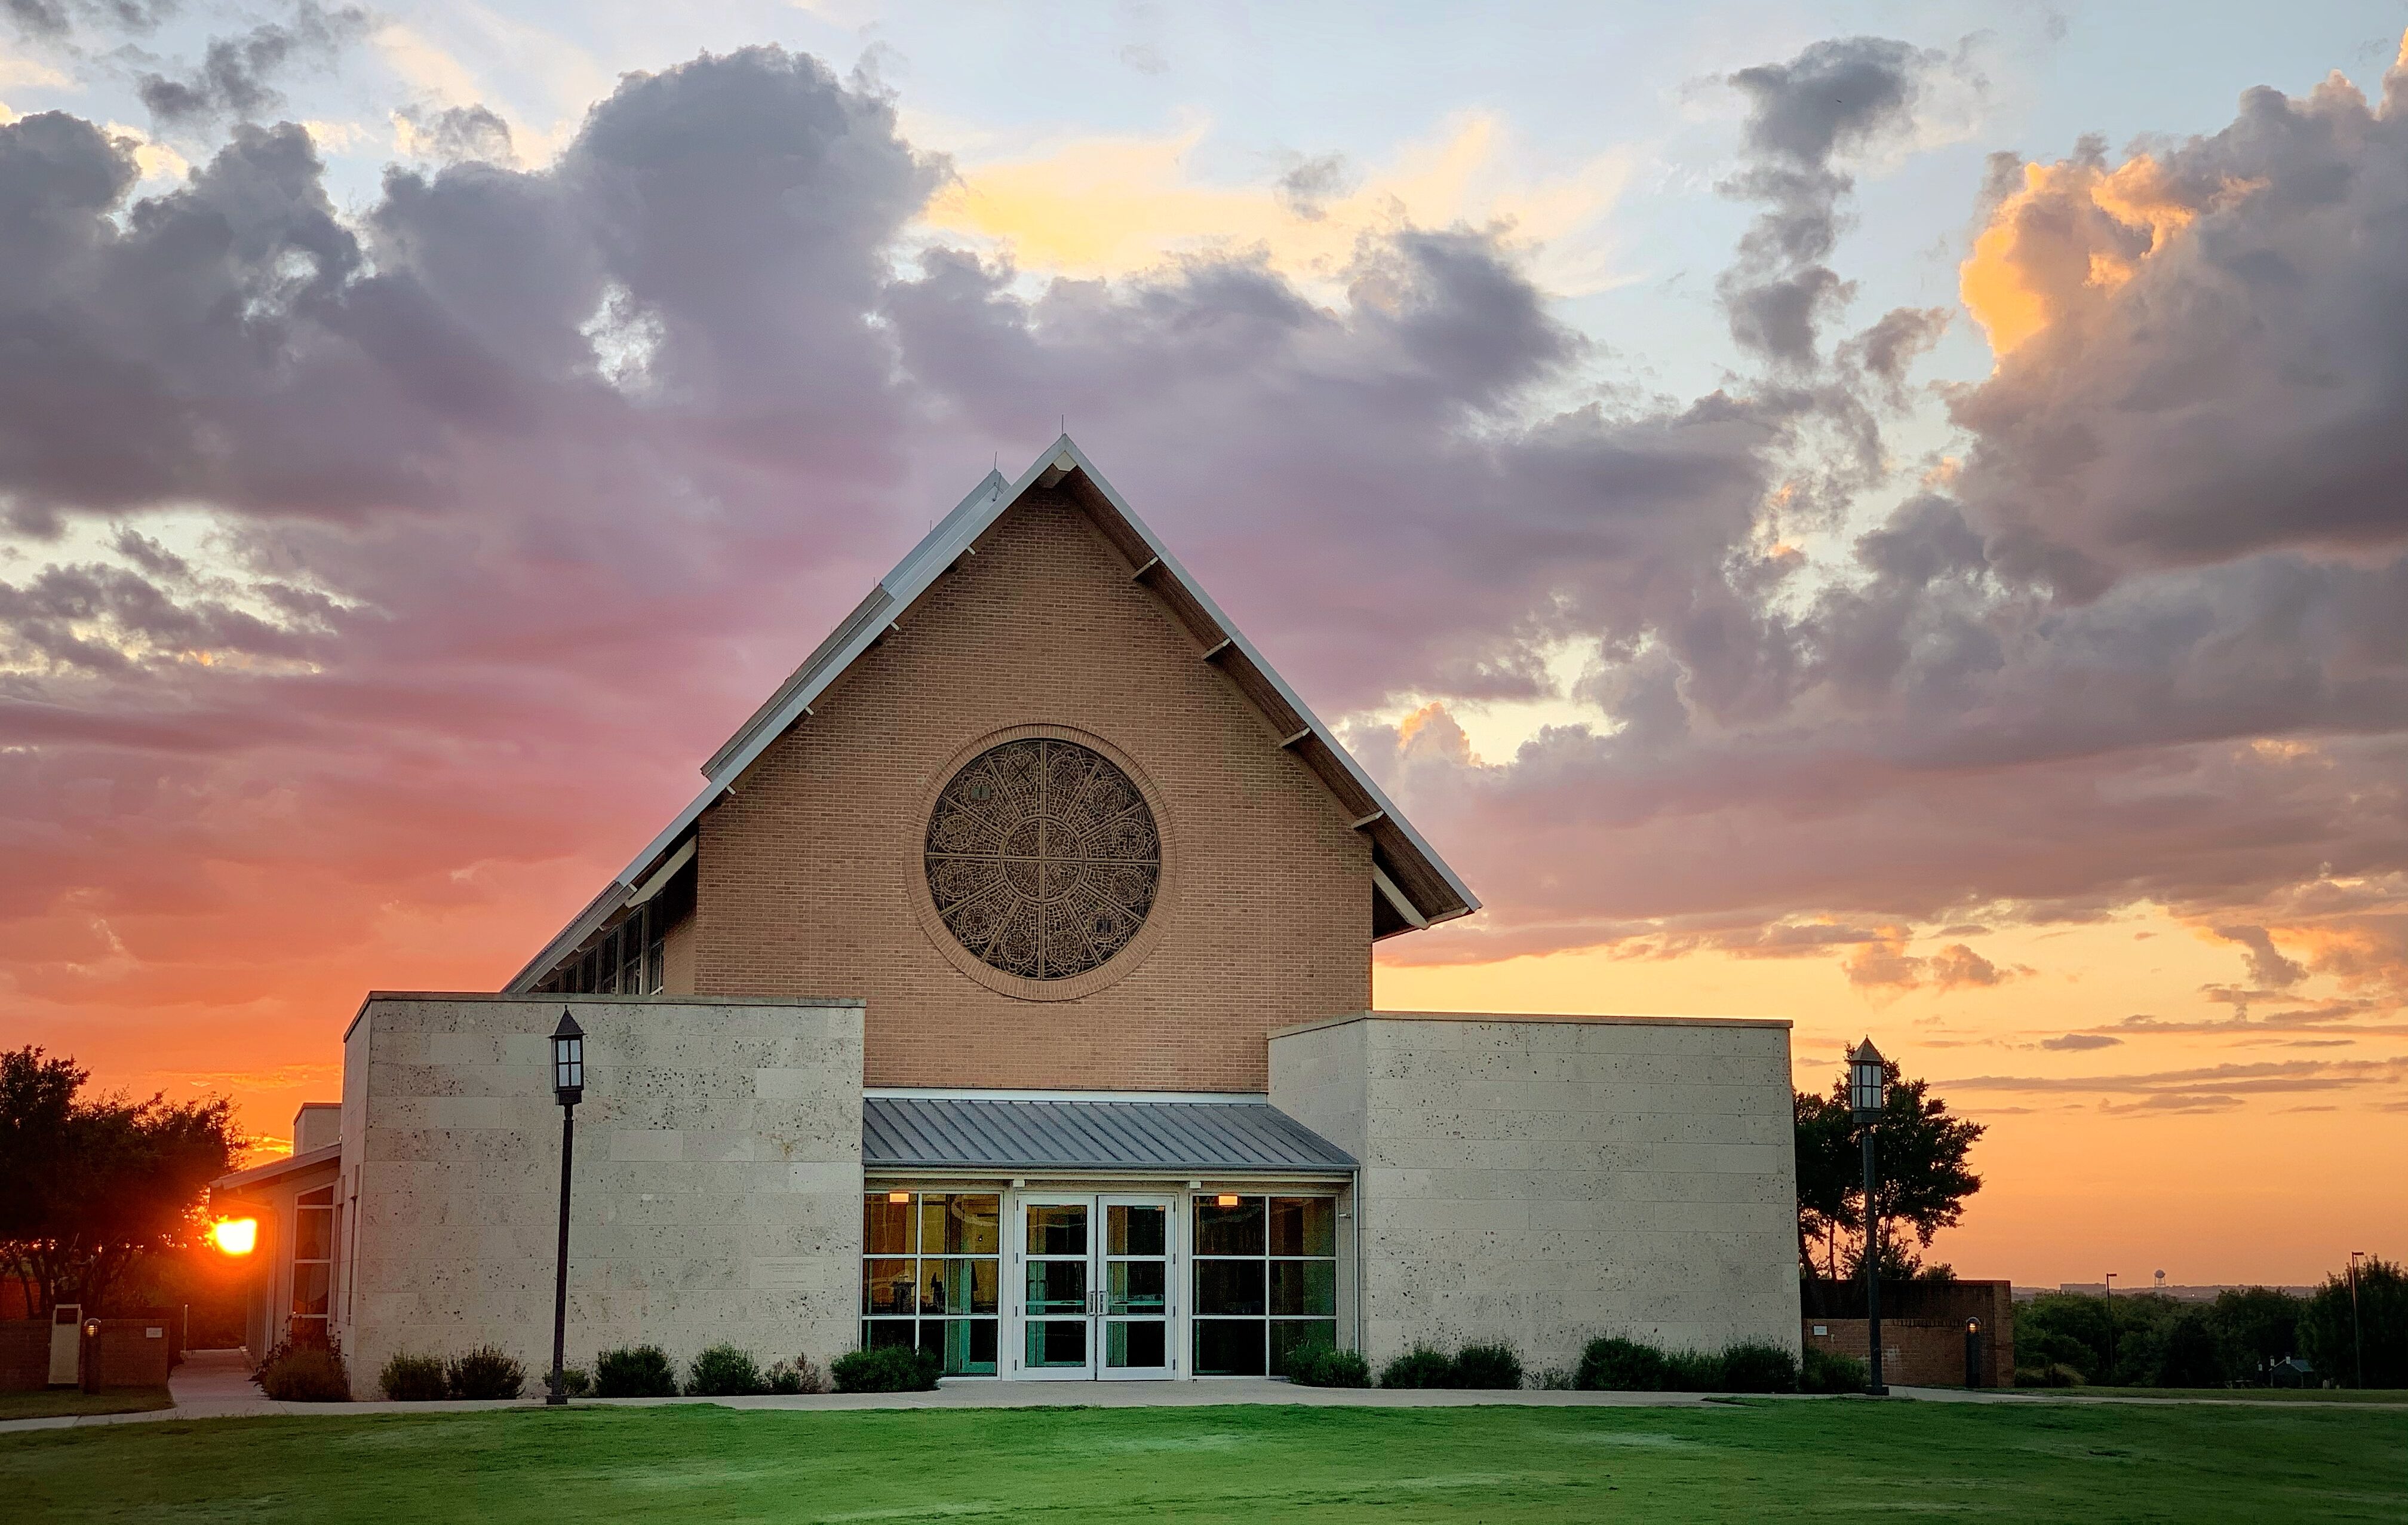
pixel 808 873
pixel 1921 1352
pixel 24 1354
pixel 132 1356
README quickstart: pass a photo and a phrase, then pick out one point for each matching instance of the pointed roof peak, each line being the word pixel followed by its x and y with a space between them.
pixel 1414 882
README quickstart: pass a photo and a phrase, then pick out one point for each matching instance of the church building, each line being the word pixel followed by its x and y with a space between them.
pixel 1006 991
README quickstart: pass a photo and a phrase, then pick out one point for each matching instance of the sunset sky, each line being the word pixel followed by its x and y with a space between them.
pixel 1886 515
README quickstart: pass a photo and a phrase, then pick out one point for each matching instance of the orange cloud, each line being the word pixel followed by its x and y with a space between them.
pixel 2074 232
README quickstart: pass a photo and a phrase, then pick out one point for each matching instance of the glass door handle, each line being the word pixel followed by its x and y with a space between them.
pixel 1096 1300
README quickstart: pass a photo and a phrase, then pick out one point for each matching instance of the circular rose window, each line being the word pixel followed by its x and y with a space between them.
pixel 1042 859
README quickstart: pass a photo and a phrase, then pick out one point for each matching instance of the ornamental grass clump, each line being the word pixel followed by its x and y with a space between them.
pixel 486 1372
pixel 888 1368
pixel 724 1372
pixel 1827 1371
pixel 1487 1366
pixel 1321 1366
pixel 1422 1366
pixel 413 1379
pixel 304 1372
pixel 1756 1366
pixel 640 1371
pixel 800 1375
pixel 1613 1364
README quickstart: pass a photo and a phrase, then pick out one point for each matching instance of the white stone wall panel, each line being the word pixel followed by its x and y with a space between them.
pixel 1541 1181
pixel 717 1192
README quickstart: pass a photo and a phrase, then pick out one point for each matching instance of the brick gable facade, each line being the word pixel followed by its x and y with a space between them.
pixel 808 872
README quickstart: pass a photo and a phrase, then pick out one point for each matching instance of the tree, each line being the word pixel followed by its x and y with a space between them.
pixel 1827 1179
pixel 1923 1178
pixel 2332 1338
pixel 89 1186
pixel 2257 1327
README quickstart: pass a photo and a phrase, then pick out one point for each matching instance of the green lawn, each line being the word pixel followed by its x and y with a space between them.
pixel 1264 1465
pixel 2237 1395
pixel 58 1400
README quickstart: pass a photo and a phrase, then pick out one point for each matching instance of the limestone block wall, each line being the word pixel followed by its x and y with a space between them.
pixel 717 1178
pixel 1542 1180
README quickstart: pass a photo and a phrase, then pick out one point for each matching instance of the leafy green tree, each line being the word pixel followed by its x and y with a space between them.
pixel 2332 1339
pixel 2191 1356
pixel 88 1187
pixel 1923 1177
pixel 2257 1327
pixel 1828 1180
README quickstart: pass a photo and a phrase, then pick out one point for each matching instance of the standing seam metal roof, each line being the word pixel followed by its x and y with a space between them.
pixel 958 1132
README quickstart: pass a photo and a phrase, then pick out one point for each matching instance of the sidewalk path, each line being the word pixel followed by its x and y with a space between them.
pixel 216 1385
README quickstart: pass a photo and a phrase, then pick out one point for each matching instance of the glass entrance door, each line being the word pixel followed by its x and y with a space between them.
pixel 1136 1285
pixel 1096 1287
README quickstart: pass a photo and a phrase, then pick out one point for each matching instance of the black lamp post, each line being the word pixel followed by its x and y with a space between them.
pixel 568 1082
pixel 2357 1332
pixel 1868 1093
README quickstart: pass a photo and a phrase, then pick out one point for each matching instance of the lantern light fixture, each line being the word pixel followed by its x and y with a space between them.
pixel 1868 1081
pixel 568 1060
pixel 235 1236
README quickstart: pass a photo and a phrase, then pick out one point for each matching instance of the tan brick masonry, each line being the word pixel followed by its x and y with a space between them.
pixel 807 871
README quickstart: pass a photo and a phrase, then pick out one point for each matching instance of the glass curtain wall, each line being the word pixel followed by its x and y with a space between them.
pixel 1266 1282
pixel 930 1275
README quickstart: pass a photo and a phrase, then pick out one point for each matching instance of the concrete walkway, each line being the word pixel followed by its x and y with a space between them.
pixel 216 1385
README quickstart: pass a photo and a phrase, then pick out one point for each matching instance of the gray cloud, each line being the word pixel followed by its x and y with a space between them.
pixel 1833 97
pixel 2238 393
pixel 234 77
pixel 460 132
pixel 2079 1042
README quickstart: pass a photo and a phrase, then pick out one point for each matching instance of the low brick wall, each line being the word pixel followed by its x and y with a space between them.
pixel 24 1355
pixel 137 1352
pixel 1919 1352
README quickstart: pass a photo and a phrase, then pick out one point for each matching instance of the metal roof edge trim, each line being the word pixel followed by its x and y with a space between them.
pixel 251 1175
pixel 1592 1018
pixel 1320 730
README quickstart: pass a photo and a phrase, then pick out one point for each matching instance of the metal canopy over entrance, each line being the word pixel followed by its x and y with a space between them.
pixel 965 1133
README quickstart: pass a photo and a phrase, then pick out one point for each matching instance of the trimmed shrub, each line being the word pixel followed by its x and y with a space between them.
pixel 304 1373
pixel 798 1375
pixel 2055 1374
pixel 1553 1379
pixel 575 1381
pixel 640 1371
pixel 724 1372
pixel 888 1368
pixel 486 1372
pixel 412 1379
pixel 1824 1371
pixel 1613 1364
pixel 1487 1366
pixel 1422 1366
pixel 1755 1366
pixel 1320 1366
pixel 1693 1371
